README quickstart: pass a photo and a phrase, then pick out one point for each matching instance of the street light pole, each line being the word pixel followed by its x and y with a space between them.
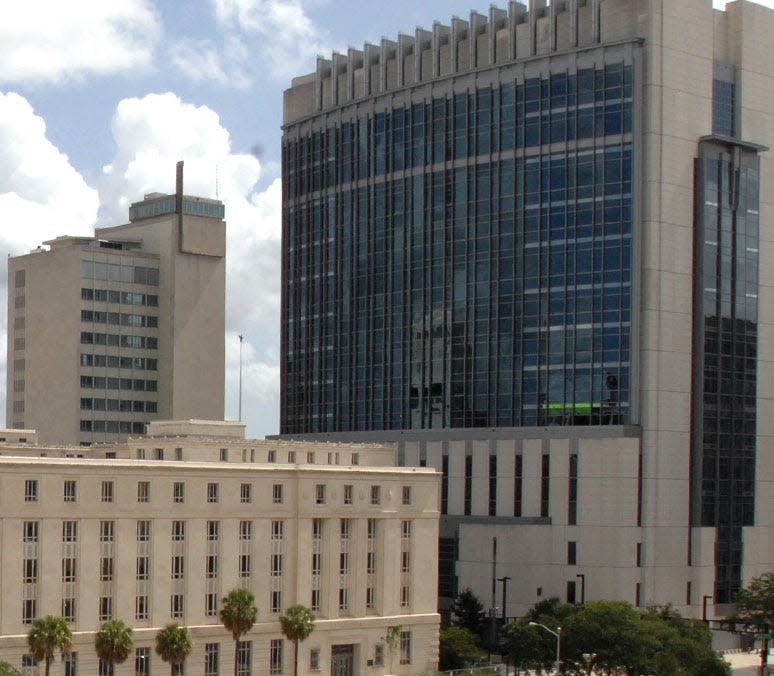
pixel 504 580
pixel 558 634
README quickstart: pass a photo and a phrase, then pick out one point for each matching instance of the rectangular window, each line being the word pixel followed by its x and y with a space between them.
pixel 319 493
pixel 70 663
pixel 178 491
pixel 379 655
pixel 143 531
pixel 406 529
pixel 545 484
pixel 106 568
pixel 107 491
pixel 213 491
pixel 314 659
pixel 211 659
pixel 143 491
pixel 30 530
pixel 141 609
pixel 275 659
pixel 211 566
pixel 375 495
pixel 68 569
pixel 405 596
pixel 406 495
pixel 178 567
pixel 176 605
pixel 405 647
pixel 518 469
pixel 246 493
pixel 276 602
pixel 276 565
pixel 468 492
pixel 29 610
pixel 345 527
pixel 316 600
pixel 213 530
pixel 245 530
pixel 572 491
pixel 143 567
pixel 244 565
pixel 572 550
pixel 68 609
pixel 343 598
pixel 492 484
pixel 31 490
pixel 348 494
pixel 224 455
pixel 271 456
pixel 276 494
pixel 142 661
pixel 277 528
pixel 178 531
pixel 29 571
pixel 69 531
pixel 405 562
pixel 106 531
pixel 244 652
pixel 105 608
pixel 638 555
pixel 70 491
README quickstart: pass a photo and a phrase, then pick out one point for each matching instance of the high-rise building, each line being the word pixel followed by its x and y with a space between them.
pixel 527 247
pixel 106 333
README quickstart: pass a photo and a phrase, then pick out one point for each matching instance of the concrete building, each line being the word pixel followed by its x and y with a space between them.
pixel 528 248
pixel 106 333
pixel 201 512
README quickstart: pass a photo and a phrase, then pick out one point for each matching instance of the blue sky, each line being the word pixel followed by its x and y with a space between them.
pixel 98 100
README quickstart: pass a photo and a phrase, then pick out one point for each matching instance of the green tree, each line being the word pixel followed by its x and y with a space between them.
pixel 527 648
pixel 458 648
pixel 113 642
pixel 392 638
pixel 173 645
pixel 755 608
pixel 297 623
pixel 7 670
pixel 48 635
pixel 238 614
pixel 468 612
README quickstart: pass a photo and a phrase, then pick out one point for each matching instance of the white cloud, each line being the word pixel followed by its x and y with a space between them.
pixel 50 40
pixel 284 36
pixel 151 135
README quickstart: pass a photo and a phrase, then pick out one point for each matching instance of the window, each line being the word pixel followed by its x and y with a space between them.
pixel 211 659
pixel 142 661
pixel 379 655
pixel 276 494
pixel 276 601
pixel 343 598
pixel 244 652
pixel 244 565
pixel 348 494
pixel 143 531
pixel 356 458
pixel 246 493
pixel 178 491
pixel 213 490
pixel 106 531
pixel 545 484
pixel 70 661
pixel 106 568
pixel 316 600
pixel 571 553
pixel 143 491
pixel 405 562
pixel 211 565
pixel 68 609
pixel 291 457
pixel 271 456
pixel 30 530
pixel 572 491
pixel 178 531
pixel 158 453
pixel 104 669
pixel 141 609
pixel 405 596
pixel 176 605
pixel 344 563
pixel 143 567
pixel 405 647
pixel 275 660
pixel 29 571
pixel 276 530
pixel 314 659
pixel 406 497
pixel 31 490
pixel 178 567
pixel 319 492
pixel 406 529
pixel 224 455
pixel 69 491
pixel 375 495
pixel 107 491
pixel 276 565
pixel 105 608
pixel 370 598
pixel 178 454
pixel 245 530
pixel 68 569
pixel 213 530
pixel 518 469
pixel 29 609
pixel 69 531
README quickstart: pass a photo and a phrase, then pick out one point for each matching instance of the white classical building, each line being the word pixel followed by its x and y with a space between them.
pixel 160 528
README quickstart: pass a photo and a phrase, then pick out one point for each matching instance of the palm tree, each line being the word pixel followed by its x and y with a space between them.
pixel 173 645
pixel 47 635
pixel 238 615
pixel 113 642
pixel 297 624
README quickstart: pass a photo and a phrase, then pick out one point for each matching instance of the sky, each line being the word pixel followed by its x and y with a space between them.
pixel 99 100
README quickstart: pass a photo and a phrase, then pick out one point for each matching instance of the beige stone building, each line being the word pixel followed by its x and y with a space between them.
pixel 163 538
pixel 106 333
pixel 544 235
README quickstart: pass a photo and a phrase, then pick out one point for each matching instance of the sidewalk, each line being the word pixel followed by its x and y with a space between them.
pixel 744 663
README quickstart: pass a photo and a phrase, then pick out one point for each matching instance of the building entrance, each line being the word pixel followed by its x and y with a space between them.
pixel 343 660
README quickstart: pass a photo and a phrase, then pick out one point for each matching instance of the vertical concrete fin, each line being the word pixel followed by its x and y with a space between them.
pixel 459 29
pixel 516 15
pixel 423 41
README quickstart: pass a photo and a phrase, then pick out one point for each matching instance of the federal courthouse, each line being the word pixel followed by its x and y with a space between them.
pixel 529 247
